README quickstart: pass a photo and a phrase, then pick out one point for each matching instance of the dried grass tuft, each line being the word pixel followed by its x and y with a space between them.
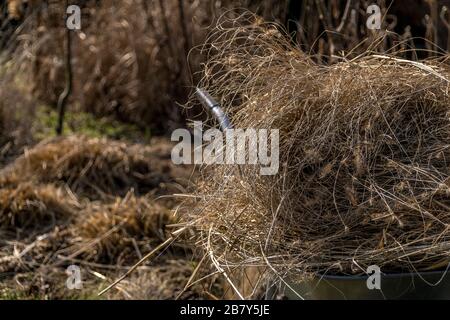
pixel 93 167
pixel 364 148
pixel 28 207
pixel 125 229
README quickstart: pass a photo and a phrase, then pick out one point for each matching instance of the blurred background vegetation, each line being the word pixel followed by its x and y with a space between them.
pixel 130 57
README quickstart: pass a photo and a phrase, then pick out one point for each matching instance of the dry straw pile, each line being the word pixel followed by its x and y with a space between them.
pixel 364 151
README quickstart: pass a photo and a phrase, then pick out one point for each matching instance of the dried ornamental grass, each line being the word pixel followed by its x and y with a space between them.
pixel 364 177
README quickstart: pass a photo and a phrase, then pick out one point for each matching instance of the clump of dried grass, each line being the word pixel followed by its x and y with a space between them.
pixel 125 229
pixel 364 176
pixel 29 207
pixel 91 166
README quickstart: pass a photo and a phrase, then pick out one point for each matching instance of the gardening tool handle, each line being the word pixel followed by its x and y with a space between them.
pixel 209 103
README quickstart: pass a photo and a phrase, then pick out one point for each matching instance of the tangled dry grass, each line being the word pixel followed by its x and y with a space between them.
pixel 364 149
